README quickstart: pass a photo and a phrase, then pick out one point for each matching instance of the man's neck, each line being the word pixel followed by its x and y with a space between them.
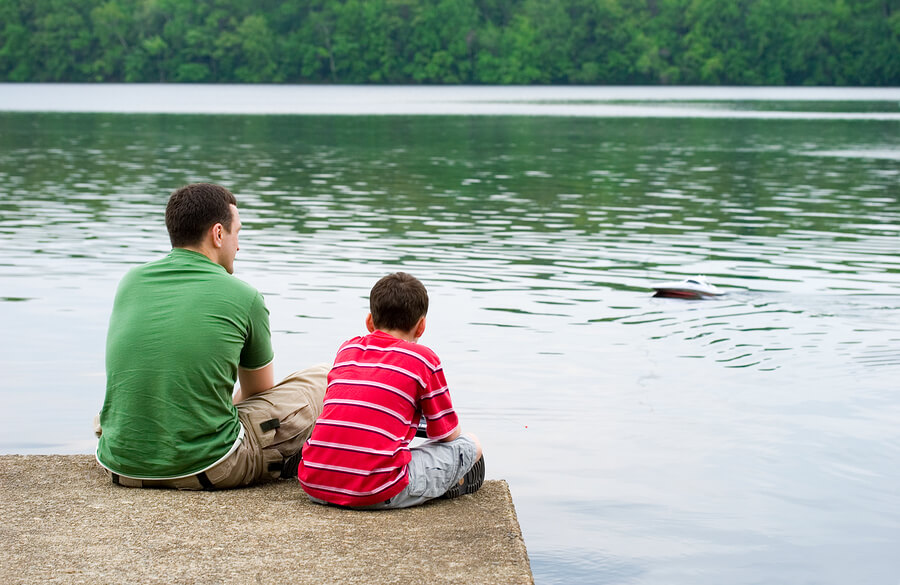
pixel 200 250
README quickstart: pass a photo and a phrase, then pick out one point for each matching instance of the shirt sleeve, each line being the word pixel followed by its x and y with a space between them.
pixel 257 351
pixel 441 419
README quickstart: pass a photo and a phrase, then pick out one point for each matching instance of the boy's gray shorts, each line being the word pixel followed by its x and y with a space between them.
pixel 434 468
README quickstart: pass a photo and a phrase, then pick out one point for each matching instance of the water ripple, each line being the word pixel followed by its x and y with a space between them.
pixel 677 437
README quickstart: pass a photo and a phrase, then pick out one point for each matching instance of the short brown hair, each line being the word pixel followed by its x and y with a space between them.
pixel 398 301
pixel 195 208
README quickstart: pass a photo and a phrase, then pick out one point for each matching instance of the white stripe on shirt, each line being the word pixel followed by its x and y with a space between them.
pixel 403 350
pixel 359 426
pixel 357 448
pixel 435 393
pixel 364 404
pixel 391 367
pixel 350 470
pixel 438 415
pixel 380 488
pixel 388 387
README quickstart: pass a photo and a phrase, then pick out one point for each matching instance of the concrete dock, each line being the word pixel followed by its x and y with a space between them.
pixel 63 521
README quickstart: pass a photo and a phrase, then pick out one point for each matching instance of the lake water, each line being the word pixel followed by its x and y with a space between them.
pixel 749 439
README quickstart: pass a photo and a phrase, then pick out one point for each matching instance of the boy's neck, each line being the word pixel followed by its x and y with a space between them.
pixel 412 335
pixel 404 335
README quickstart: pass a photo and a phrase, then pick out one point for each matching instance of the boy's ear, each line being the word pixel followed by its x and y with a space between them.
pixel 370 324
pixel 420 328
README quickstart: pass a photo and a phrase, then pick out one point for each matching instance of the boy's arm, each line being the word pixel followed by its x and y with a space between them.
pixel 452 436
pixel 422 432
pixel 434 402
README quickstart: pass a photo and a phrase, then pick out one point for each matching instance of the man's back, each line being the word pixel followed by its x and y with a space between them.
pixel 179 329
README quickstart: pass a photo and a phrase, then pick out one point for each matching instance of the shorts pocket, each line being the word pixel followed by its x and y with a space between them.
pixel 295 429
pixel 417 480
pixel 429 480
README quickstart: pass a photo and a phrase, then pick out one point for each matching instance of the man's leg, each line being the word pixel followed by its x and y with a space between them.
pixel 276 423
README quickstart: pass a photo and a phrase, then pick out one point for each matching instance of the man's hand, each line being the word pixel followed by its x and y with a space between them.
pixel 253 382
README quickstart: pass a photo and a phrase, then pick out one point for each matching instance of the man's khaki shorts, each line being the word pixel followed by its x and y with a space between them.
pixel 295 403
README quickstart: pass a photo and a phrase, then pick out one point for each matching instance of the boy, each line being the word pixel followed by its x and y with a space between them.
pixel 379 388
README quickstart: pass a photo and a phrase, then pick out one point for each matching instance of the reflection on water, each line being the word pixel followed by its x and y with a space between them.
pixel 646 440
pixel 793 103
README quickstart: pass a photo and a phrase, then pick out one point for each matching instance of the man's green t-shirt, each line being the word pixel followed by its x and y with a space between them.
pixel 179 329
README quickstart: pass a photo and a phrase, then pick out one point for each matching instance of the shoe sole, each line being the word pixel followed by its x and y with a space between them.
pixel 471 481
pixel 290 465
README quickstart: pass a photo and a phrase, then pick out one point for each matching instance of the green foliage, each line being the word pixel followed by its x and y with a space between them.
pixel 741 42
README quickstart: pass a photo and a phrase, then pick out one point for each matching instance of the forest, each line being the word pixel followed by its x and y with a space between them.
pixel 621 42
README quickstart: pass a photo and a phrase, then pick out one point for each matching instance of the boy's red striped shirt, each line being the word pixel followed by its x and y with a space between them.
pixel 378 390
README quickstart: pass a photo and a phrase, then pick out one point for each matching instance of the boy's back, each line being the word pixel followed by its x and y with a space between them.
pixel 378 389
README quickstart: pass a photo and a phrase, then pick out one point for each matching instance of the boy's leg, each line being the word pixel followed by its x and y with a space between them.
pixel 435 467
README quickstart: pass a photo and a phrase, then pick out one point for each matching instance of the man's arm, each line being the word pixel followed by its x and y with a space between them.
pixel 254 381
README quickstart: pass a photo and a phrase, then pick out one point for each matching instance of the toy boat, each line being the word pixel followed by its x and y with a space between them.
pixel 690 288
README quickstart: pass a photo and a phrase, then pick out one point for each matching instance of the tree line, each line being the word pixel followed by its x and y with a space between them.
pixel 738 42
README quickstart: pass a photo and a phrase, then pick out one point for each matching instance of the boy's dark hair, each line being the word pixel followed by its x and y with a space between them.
pixel 195 208
pixel 397 302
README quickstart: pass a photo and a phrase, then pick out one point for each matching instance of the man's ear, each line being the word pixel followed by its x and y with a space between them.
pixel 216 235
pixel 420 328
pixel 370 324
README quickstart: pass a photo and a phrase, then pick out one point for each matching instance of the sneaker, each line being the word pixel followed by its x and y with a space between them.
pixel 289 468
pixel 470 483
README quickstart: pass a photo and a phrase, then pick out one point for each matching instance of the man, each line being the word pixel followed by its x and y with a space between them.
pixel 183 330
